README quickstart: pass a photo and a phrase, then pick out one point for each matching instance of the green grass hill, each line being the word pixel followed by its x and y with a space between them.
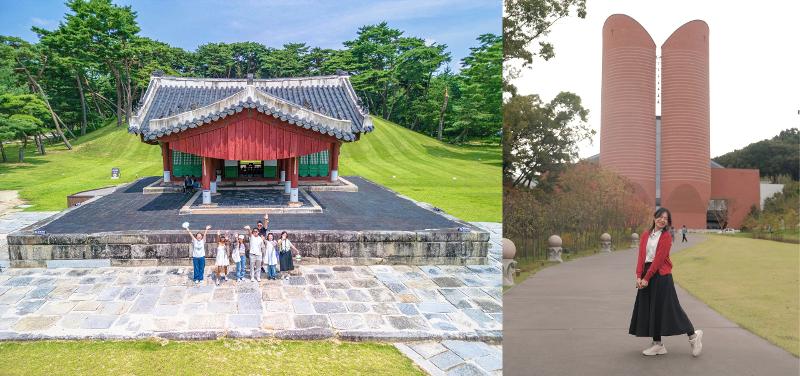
pixel 463 181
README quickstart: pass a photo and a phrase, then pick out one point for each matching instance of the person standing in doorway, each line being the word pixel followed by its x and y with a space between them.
pixel 657 311
pixel 683 234
pixel 198 253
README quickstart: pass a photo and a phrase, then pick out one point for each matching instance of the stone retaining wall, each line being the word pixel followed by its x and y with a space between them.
pixel 448 247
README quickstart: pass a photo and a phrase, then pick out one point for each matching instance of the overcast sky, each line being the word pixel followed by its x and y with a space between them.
pixel 318 23
pixel 754 55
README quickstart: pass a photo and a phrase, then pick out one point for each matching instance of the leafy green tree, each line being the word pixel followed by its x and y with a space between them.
pixel 99 31
pixel 527 22
pixel 21 117
pixel 214 60
pixel 779 155
pixel 541 138
pixel 478 110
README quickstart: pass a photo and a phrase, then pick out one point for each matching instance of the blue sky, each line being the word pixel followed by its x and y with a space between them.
pixel 326 24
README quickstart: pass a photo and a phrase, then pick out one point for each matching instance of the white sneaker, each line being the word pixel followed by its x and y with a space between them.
pixel 252 279
pixel 655 349
pixel 258 279
pixel 697 342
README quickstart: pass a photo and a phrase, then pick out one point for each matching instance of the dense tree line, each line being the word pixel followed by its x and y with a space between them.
pixel 584 202
pixel 95 66
pixel 779 155
pixel 781 213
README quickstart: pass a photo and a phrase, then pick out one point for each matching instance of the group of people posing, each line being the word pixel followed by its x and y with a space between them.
pixel 262 249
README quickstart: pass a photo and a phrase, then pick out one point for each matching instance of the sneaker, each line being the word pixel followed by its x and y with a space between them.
pixel 252 279
pixel 258 279
pixel 697 342
pixel 655 349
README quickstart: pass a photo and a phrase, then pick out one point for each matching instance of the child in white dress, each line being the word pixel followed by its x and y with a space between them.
pixel 221 260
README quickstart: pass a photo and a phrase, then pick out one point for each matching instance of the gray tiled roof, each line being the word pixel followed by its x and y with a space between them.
pixel 328 96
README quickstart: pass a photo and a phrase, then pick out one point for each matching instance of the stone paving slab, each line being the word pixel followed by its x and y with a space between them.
pixel 449 357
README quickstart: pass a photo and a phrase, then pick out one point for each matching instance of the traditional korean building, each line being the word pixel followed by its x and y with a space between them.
pixel 272 130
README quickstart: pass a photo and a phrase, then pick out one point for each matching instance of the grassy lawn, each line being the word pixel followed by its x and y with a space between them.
pixel 754 283
pixel 235 357
pixel 787 236
pixel 44 181
pixel 464 181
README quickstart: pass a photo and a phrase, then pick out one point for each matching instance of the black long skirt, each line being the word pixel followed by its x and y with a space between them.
pixel 657 311
pixel 285 259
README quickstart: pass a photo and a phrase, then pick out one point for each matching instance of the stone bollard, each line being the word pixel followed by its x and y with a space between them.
pixel 509 265
pixel 554 248
pixel 605 242
pixel 635 240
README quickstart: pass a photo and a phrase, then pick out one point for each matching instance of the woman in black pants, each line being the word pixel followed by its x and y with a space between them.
pixel 657 311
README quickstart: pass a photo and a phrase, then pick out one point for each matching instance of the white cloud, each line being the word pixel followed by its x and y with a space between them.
pixel 41 22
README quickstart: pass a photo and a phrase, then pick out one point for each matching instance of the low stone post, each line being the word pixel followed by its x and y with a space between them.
pixel 605 242
pixel 554 248
pixel 509 265
pixel 634 240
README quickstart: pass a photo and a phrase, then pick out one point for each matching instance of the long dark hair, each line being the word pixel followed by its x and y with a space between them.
pixel 657 214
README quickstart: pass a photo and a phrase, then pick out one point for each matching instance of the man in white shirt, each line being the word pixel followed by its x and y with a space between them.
pixel 256 247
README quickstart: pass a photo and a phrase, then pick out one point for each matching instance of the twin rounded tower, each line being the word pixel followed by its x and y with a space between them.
pixel 666 157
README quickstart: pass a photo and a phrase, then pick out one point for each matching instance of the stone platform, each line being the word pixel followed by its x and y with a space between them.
pixel 368 227
pixel 380 302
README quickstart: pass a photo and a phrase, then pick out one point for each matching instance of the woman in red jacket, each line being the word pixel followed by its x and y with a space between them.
pixel 657 310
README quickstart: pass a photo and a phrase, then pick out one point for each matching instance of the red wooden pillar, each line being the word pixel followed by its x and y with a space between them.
pixel 205 180
pixel 293 193
pixel 334 161
pixel 166 161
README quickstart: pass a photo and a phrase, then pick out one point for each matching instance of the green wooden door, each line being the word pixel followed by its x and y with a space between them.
pixel 313 165
pixel 185 164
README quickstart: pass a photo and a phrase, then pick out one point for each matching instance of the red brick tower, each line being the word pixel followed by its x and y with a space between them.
pixel 685 125
pixel 628 132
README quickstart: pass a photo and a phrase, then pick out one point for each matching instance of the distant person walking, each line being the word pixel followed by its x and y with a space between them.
pixel 657 311
pixel 198 253
pixel 683 234
pixel 285 248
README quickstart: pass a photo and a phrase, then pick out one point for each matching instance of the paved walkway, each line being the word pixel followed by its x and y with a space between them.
pixel 13 221
pixel 573 318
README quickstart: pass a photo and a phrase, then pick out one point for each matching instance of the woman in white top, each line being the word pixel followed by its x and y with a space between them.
pixel 657 311
pixel 285 248
pixel 198 253
pixel 221 261
pixel 256 247
pixel 238 256
pixel 271 257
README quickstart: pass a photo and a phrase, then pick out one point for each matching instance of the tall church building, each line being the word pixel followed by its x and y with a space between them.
pixel 667 157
